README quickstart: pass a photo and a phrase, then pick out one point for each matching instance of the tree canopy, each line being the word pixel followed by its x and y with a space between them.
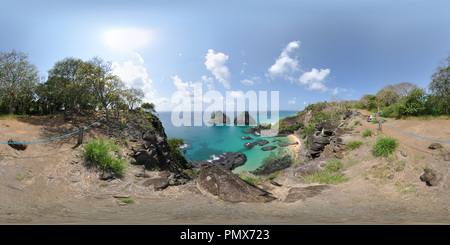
pixel 71 83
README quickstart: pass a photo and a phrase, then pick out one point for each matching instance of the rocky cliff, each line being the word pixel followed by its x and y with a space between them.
pixel 148 144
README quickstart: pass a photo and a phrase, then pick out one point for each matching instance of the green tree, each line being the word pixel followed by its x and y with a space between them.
pixel 64 77
pixel 414 103
pixel 440 86
pixel 18 78
pixel 105 86
pixel 133 96
pixel 148 106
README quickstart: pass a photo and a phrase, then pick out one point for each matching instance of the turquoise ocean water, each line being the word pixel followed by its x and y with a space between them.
pixel 206 142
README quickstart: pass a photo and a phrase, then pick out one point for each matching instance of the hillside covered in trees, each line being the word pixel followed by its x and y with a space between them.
pixel 407 99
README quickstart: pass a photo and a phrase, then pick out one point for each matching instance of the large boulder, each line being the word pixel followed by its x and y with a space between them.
pixel 431 177
pixel 221 182
pixel 244 119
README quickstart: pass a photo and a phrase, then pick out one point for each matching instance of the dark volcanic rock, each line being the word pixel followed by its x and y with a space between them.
pixel 250 145
pixel 273 164
pixel 246 138
pixel 229 160
pixel 221 182
pixel 268 148
pixel 20 147
pixel 431 177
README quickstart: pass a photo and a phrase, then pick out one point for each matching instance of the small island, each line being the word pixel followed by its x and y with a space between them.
pixel 219 118
pixel 244 119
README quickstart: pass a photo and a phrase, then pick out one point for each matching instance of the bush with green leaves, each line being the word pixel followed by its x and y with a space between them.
pixel 105 155
pixel 385 146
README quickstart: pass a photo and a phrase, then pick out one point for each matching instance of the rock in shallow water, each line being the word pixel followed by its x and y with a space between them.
pixel 229 160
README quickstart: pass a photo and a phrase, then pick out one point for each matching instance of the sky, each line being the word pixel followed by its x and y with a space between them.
pixel 308 51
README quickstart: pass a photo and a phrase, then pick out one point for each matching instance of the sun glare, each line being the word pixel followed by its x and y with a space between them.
pixel 128 38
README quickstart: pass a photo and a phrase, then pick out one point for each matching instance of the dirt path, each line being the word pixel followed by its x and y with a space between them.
pixel 47 184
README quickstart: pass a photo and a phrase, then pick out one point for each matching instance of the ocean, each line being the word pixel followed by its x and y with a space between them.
pixel 207 142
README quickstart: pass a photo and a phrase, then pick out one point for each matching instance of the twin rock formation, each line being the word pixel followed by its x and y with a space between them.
pixel 219 118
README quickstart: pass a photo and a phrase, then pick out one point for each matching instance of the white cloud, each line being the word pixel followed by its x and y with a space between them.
pixel 315 79
pixel 285 64
pixel 208 81
pixel 291 102
pixel 237 94
pixel 215 62
pixel 247 82
pixel 134 74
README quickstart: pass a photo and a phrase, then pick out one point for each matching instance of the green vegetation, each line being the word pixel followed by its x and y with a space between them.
pixel 104 155
pixel 385 146
pixel 407 99
pixel 126 200
pixel 354 144
pixel 367 133
pixel 329 175
pixel 72 83
pixel 251 178
pixel 20 177
pixel 175 153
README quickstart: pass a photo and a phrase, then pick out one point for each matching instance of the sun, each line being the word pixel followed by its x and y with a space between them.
pixel 131 39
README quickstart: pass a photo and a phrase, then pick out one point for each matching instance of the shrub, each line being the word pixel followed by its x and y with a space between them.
pixel 385 146
pixel 175 153
pixel 367 133
pixel 354 144
pixel 104 155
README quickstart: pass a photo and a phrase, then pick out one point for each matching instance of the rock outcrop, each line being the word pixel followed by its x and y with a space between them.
pixel 221 182
pixel 230 160
pixel 244 119
pixel 148 144
pixel 327 141
pixel 219 118
pixel 250 145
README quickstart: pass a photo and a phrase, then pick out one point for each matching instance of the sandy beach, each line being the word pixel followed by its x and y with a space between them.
pixel 295 148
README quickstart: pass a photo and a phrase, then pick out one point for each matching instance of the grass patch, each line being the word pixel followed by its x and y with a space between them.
pixel 105 155
pixel 330 174
pixel 20 177
pixel 367 133
pixel 12 116
pixel 385 146
pixel 357 122
pixel 405 189
pixel 354 144
pixel 126 200
pixel 250 178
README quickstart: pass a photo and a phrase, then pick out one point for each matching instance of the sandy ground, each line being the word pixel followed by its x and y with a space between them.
pixel 295 148
pixel 48 184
